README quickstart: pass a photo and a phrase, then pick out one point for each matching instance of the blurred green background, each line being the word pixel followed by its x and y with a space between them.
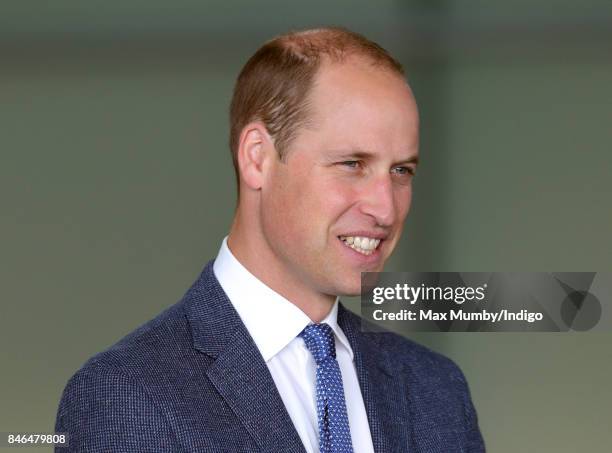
pixel 117 185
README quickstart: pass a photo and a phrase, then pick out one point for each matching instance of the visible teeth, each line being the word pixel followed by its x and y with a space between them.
pixel 361 244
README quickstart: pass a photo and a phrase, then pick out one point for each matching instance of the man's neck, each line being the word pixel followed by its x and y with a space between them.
pixel 315 305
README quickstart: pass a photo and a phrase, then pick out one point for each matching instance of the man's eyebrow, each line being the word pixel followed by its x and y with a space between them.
pixel 362 154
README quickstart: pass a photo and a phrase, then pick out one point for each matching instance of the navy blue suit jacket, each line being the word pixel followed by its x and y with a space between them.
pixel 192 379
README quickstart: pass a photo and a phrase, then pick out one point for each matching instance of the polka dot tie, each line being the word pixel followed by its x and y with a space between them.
pixel 334 432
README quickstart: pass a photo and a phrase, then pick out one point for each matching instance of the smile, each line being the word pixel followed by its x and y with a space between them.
pixel 361 244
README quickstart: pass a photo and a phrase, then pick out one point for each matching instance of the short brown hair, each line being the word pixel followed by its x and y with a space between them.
pixel 274 84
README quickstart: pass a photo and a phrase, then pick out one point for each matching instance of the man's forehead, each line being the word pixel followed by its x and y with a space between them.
pixel 356 67
pixel 358 109
pixel 338 84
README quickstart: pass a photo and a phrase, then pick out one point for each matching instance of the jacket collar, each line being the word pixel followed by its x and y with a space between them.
pixel 242 377
pixel 382 386
pixel 238 372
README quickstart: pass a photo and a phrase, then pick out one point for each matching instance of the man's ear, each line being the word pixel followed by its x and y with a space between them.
pixel 254 147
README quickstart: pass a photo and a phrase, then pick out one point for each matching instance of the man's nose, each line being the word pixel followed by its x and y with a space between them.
pixel 378 200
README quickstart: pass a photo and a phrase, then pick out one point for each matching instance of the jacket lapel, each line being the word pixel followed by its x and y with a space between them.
pixel 384 393
pixel 238 371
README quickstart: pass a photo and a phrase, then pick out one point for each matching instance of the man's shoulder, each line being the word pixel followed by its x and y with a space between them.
pixel 117 397
pixel 152 347
pixel 161 344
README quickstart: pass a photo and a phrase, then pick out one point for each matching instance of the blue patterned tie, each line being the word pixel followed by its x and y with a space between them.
pixel 334 432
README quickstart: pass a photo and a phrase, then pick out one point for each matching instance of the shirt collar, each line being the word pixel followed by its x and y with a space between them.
pixel 272 321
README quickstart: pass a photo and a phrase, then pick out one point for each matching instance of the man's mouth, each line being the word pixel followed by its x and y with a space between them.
pixel 361 244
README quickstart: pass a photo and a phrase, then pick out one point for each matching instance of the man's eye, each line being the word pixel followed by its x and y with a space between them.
pixel 350 163
pixel 403 171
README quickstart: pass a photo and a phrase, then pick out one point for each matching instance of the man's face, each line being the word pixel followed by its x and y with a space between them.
pixel 336 206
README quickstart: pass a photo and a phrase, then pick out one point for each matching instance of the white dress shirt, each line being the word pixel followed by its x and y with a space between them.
pixel 275 323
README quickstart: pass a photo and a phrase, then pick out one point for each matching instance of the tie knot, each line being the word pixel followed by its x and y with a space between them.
pixel 319 339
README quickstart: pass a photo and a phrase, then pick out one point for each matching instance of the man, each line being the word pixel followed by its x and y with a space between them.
pixel 259 355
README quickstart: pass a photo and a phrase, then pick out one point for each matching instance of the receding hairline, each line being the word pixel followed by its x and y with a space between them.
pixel 335 44
pixel 356 62
pixel 329 47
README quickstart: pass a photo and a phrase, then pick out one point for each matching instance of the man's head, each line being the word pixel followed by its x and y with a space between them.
pixel 324 134
pixel 274 85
